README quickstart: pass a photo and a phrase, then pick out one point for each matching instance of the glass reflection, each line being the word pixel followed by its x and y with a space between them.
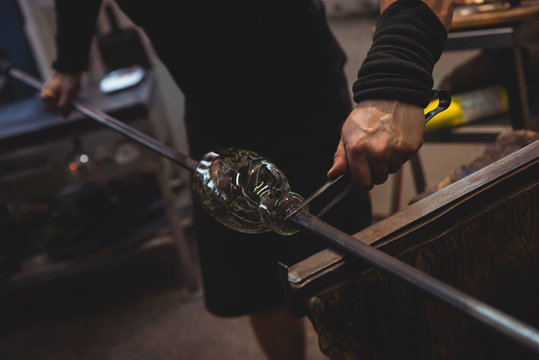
pixel 244 191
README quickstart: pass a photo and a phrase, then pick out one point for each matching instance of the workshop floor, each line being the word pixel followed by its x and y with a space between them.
pixel 129 307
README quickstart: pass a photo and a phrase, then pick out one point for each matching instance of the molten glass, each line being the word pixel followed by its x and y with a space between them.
pixel 244 191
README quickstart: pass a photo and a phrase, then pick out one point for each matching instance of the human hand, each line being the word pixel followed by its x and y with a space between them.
pixel 60 90
pixel 376 139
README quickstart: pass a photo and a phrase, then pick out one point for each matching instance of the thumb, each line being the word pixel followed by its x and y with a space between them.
pixel 340 163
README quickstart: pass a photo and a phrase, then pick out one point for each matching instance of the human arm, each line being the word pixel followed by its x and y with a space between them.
pixel 443 9
pixel 75 24
pixel 394 85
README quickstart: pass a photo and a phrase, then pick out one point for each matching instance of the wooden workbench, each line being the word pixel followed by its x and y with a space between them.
pixel 527 11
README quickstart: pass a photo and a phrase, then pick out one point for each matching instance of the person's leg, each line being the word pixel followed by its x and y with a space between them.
pixel 281 335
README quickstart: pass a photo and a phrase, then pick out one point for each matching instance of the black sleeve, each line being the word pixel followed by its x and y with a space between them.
pixel 75 26
pixel 408 41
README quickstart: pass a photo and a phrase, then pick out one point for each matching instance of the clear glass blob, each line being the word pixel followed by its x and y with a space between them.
pixel 273 210
pixel 231 184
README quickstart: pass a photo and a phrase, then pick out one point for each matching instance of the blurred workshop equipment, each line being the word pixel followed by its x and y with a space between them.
pixel 74 194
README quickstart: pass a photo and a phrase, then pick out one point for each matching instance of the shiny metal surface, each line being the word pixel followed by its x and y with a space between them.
pixel 323 188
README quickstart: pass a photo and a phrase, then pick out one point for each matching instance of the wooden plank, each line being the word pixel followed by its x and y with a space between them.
pixel 517 14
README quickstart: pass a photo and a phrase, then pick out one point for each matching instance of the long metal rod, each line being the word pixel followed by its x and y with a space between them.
pixel 495 319
pixel 105 119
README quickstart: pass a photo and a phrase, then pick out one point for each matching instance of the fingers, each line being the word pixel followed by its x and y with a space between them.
pixel 379 169
pixel 366 169
pixel 371 165
pixel 64 103
pixel 377 138
pixel 394 163
pixel 59 91
pixel 340 163
pixel 361 172
pixel 50 97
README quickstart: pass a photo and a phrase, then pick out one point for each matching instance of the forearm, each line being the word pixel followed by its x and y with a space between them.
pixel 75 21
pixel 442 8
pixel 394 84
pixel 408 41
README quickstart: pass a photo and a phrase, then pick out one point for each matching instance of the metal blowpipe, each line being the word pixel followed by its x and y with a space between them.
pixel 502 323
pixel 107 120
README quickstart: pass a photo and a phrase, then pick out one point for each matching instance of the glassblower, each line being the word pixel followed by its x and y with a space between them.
pixel 248 193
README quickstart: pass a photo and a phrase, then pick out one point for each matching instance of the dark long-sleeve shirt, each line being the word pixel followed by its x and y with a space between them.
pixel 254 43
pixel 242 65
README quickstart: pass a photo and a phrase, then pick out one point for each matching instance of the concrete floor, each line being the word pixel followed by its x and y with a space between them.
pixel 132 306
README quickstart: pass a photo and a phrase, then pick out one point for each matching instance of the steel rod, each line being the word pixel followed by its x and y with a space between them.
pixel 124 129
pixel 493 318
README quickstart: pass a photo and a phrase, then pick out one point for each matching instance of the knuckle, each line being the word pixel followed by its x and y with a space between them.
pixel 358 149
